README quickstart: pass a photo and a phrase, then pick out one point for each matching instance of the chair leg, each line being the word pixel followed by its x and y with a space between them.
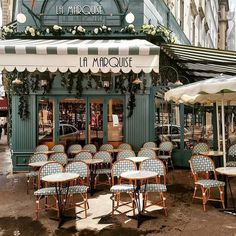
pixel 163 198
pixel 204 198
pixel 222 197
pixel 37 208
pixel 28 180
pixel 195 191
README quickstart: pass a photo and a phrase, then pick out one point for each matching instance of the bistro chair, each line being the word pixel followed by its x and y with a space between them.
pixel 147 153
pixel 59 157
pixel 125 146
pixel 231 156
pixel 200 148
pixel 165 152
pixel 118 187
pixel 90 147
pixel 44 189
pixel 58 148
pixel 33 174
pixel 125 153
pixel 73 150
pixel 106 147
pixel 104 168
pixel 149 145
pixel 159 185
pixel 201 167
pixel 79 187
pixel 83 156
pixel 41 148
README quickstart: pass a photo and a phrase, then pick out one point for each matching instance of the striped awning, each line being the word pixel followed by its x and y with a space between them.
pixel 79 55
pixel 200 62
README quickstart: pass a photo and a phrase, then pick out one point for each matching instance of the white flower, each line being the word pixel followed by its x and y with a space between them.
pixel 6 29
pixel 31 30
pixel 33 34
pixel 56 27
pixel 131 26
pixel 73 32
pixel 48 30
pixel 153 32
pixel 27 28
pixel 38 33
pixel 80 28
pixel 96 30
pixel 104 27
pixel 10 30
pixel 109 29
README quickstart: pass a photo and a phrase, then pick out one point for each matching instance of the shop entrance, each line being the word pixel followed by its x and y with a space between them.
pixel 94 120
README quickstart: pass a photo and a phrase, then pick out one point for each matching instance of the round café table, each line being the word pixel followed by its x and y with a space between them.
pixel 136 176
pixel 62 193
pixel 137 160
pixel 228 172
pixel 92 163
pixel 38 164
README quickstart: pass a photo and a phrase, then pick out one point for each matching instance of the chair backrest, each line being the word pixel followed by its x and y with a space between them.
pixel 200 147
pixel 38 157
pixel 49 169
pixel 90 147
pixel 166 146
pixel 83 156
pixel 106 147
pixel 41 148
pixel 58 148
pixel 147 153
pixel 155 165
pixel 200 163
pixel 78 167
pixel 105 156
pixel 125 146
pixel 74 147
pixel 232 150
pixel 124 154
pixel 121 166
pixel 59 157
pixel 149 145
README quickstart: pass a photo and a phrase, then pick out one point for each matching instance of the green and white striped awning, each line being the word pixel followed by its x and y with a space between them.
pixel 79 55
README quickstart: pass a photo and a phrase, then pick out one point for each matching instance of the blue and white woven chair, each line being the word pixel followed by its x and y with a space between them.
pixel 165 152
pixel 118 187
pixel 73 150
pixel 202 167
pixel 147 153
pixel 159 185
pixel 106 147
pixel 104 168
pixel 33 174
pixel 200 148
pixel 83 156
pixel 59 157
pixel 41 148
pixel 231 156
pixel 125 153
pixel 58 148
pixel 90 147
pixel 44 189
pixel 125 146
pixel 149 145
pixel 79 187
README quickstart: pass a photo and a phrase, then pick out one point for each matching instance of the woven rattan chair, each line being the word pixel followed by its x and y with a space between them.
pixel 165 152
pixel 200 148
pixel 41 148
pixel 125 153
pixel 125 146
pixel 33 174
pixel 156 187
pixel 90 147
pixel 106 147
pixel 147 153
pixel 149 145
pixel 231 156
pixel 83 156
pixel 73 150
pixel 118 187
pixel 202 167
pixel 58 148
pixel 79 187
pixel 59 157
pixel 44 190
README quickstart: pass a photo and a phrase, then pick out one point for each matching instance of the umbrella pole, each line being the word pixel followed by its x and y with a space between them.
pixel 218 126
pixel 223 130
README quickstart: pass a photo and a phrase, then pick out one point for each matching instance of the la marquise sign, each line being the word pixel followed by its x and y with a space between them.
pixel 78 10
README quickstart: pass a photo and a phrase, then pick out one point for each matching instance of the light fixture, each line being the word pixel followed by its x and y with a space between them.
pixel 21 18
pixel 178 83
pixel 17 82
pixel 130 18
pixel 106 83
pixel 137 81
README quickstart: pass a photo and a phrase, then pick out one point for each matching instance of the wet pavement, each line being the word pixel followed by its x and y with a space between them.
pixel 17 214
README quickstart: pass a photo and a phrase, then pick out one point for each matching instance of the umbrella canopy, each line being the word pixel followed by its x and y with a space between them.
pixel 215 90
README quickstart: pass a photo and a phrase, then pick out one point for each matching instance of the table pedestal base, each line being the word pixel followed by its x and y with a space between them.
pixel 230 211
pixel 141 218
pixel 62 219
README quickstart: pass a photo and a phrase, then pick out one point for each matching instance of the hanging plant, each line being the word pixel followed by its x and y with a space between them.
pixel 79 85
pixel 119 84
pixel 67 81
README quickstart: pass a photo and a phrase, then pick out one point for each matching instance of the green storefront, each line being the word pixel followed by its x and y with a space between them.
pixel 77 72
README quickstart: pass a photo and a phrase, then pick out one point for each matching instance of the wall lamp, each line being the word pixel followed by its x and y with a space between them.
pixel 129 18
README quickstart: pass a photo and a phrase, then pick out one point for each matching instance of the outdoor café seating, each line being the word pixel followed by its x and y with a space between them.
pixel 73 150
pixel 158 186
pixel 200 147
pixel 44 190
pixel 149 145
pixel 33 174
pixel 231 156
pixel 125 153
pixel 83 156
pixel 90 147
pixel 41 148
pixel 106 147
pixel 119 187
pixel 58 148
pixel 147 153
pixel 79 186
pixel 125 146
pixel 165 152
pixel 205 178
pixel 59 157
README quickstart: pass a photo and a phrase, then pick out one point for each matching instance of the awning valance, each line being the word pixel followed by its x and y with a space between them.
pixel 79 55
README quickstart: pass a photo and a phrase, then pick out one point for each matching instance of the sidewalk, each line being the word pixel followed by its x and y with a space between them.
pixel 17 215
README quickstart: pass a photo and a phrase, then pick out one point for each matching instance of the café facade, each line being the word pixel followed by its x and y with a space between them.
pixel 81 72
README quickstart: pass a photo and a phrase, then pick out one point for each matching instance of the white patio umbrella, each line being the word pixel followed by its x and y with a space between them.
pixel 216 90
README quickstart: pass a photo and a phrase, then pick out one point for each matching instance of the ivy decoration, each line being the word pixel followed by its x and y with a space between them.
pixel 79 85
pixel 144 84
pixel 34 82
pixel 119 84
pixel 23 107
pixel 89 82
pixel 67 81
pixel 98 81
